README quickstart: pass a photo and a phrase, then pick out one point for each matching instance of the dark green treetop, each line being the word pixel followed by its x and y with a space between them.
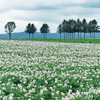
pixel 30 28
pixel 44 28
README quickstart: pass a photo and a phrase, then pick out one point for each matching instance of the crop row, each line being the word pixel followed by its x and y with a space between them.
pixel 33 70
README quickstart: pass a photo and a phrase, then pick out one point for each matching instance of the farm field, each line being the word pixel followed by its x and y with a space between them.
pixel 44 70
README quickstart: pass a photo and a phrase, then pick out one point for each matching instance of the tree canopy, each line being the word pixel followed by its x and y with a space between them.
pixel 30 29
pixel 45 29
pixel 72 26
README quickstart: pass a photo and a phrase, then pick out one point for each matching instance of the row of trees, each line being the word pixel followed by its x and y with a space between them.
pixel 69 28
pixel 30 29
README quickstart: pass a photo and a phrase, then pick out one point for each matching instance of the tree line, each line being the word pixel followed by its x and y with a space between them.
pixel 30 29
pixel 69 28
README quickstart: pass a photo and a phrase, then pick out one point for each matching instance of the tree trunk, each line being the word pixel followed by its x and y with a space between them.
pixel 46 35
pixel 84 35
pixel 43 35
pixel 74 35
pixel 78 35
pixel 94 34
pixel 64 35
pixel 9 35
pixel 67 35
pixel 29 35
pixel 60 35
pixel 90 35
pixel 70 35
pixel 33 35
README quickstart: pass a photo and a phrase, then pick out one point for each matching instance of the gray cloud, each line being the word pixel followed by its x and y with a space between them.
pixel 51 11
pixel 92 5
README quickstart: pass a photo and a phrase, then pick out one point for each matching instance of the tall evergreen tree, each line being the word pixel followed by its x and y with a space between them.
pixel 90 28
pixel 44 29
pixel 28 29
pixel 9 27
pixel 79 27
pixel 69 27
pixel 33 30
pixel 84 26
pixel 94 27
pixel 64 27
pixel 59 30
pixel 72 27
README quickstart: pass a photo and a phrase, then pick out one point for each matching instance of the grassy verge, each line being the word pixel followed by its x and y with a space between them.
pixel 65 40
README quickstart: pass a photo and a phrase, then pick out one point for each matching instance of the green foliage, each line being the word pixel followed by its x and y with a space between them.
pixel 13 79
pixel 78 26
pixel 84 26
pixel 30 29
pixel 72 26
pixel 47 72
pixel 44 28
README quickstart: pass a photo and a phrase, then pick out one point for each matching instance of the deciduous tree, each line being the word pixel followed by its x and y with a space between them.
pixel 59 30
pixel 28 29
pixel 84 26
pixel 44 29
pixel 9 27
pixel 33 30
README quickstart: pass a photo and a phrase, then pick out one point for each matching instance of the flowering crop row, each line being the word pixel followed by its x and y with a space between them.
pixel 33 70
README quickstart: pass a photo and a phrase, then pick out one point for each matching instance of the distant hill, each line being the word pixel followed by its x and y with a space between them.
pixel 37 35
pixel 23 35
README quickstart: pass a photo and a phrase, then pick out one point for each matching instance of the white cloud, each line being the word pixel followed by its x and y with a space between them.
pixel 46 11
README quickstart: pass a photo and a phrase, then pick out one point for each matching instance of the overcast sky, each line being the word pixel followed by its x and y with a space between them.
pixel 52 12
